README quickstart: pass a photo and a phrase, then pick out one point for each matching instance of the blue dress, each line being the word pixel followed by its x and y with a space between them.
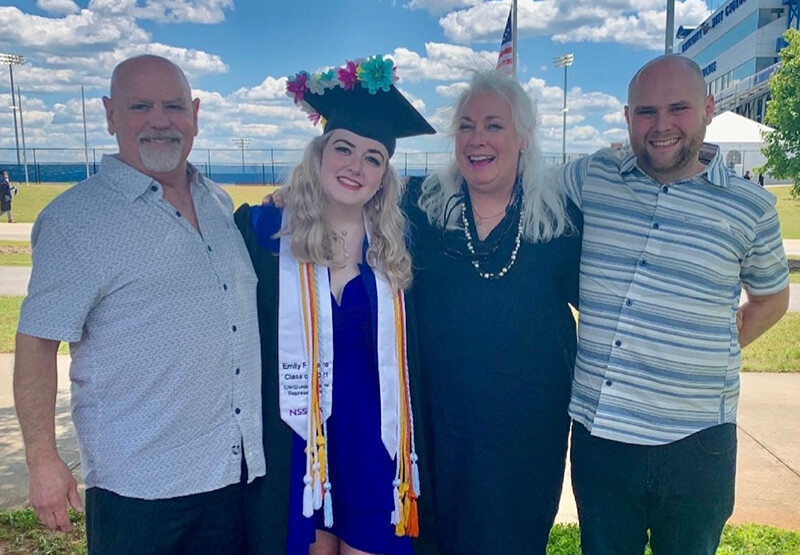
pixel 359 466
pixel 361 471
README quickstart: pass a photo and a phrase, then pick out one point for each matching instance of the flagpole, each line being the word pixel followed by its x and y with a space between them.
pixel 514 37
pixel 85 135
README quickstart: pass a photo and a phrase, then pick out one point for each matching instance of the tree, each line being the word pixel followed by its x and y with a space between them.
pixel 782 146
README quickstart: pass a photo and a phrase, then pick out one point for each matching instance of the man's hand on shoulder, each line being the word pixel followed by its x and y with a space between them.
pixel 52 490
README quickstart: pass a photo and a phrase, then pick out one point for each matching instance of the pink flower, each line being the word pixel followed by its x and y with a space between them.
pixel 315 118
pixel 348 75
pixel 297 86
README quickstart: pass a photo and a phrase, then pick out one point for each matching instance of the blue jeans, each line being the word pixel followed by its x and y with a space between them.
pixel 681 492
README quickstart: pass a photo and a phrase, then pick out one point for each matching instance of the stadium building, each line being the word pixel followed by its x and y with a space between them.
pixel 737 48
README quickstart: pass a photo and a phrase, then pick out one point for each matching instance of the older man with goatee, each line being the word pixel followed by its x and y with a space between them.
pixel 142 270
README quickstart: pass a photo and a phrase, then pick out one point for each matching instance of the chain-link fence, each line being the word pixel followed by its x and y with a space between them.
pixel 231 166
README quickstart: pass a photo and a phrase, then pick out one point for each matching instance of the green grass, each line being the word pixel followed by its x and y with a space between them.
pixel 739 539
pixel 21 533
pixel 9 317
pixel 31 199
pixel 15 253
pixel 794 269
pixel 778 350
pixel 788 212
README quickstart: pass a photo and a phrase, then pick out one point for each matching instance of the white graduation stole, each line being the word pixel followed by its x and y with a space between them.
pixel 305 340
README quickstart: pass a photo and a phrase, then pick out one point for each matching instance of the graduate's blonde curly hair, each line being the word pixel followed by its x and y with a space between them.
pixel 313 240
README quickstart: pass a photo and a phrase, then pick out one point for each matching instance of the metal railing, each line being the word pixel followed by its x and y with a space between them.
pixel 223 165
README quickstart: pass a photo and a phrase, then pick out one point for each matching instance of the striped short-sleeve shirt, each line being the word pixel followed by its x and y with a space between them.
pixel 662 269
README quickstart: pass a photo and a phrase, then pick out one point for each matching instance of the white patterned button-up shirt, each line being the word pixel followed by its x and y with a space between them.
pixel 662 268
pixel 163 332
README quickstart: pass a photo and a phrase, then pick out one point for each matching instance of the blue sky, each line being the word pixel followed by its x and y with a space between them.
pixel 238 52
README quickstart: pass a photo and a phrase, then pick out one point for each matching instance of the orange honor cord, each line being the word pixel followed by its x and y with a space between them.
pixel 321 484
pixel 406 518
pixel 308 498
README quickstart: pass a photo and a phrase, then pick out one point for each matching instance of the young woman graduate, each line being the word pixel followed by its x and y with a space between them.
pixel 332 267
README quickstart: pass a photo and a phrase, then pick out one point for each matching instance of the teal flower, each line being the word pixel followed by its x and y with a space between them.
pixel 376 73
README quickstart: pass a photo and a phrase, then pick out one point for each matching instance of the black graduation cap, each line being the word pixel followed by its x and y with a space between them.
pixel 381 114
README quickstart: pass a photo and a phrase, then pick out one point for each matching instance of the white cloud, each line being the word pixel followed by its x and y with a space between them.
pixel 437 7
pixel 86 31
pixel 451 91
pixel 442 62
pixel 615 118
pixel 184 11
pixel 58 7
pixel 269 89
pixel 638 23
pixel 616 134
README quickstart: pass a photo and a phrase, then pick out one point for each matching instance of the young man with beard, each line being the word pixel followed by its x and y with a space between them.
pixel 670 238
pixel 142 270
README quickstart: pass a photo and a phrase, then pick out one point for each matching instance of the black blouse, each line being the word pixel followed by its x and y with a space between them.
pixel 496 358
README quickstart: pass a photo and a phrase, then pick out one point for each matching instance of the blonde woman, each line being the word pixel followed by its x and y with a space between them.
pixel 332 267
pixel 496 249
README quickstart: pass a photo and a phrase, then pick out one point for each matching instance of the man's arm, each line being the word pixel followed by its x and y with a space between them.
pixel 760 313
pixel 52 486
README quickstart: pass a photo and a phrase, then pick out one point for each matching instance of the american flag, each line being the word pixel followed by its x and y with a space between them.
pixel 505 61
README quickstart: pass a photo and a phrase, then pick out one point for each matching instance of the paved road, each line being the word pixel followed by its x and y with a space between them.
pixel 22 232
pixel 15 279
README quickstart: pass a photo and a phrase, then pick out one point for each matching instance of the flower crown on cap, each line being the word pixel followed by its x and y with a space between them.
pixel 374 73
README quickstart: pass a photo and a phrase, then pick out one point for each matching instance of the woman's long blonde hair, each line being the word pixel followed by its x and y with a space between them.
pixel 313 240
pixel 544 202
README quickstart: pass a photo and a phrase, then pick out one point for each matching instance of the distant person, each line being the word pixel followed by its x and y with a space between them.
pixel 340 443
pixel 747 175
pixel 141 269
pixel 761 179
pixel 670 237
pixel 7 192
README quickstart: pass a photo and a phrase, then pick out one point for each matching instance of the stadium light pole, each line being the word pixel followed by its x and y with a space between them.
pixel 242 143
pixel 12 60
pixel 564 61
pixel 22 129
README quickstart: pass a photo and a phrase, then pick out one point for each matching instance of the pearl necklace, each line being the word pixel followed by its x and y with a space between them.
pixel 477 265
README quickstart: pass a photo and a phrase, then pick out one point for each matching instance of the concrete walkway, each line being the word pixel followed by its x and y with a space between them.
pixel 767 484
pixel 15 232
pixel 22 232
pixel 15 279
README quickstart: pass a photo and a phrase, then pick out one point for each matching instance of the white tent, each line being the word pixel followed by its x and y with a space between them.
pixel 739 139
